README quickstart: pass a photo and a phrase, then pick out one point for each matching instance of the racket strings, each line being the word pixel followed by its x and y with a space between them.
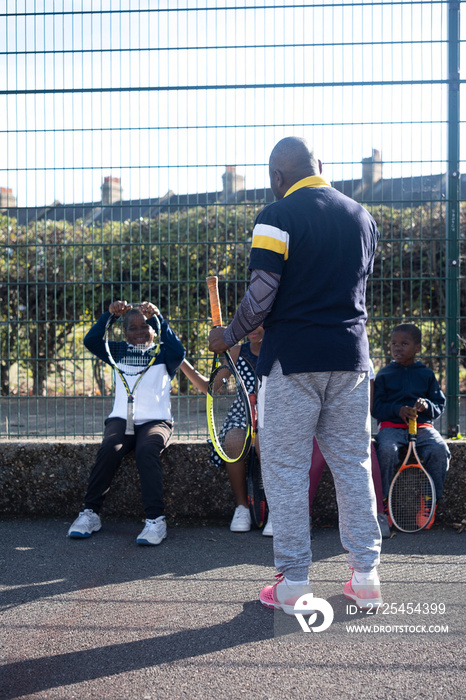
pixel 411 501
pixel 131 359
pixel 228 414
pixel 134 357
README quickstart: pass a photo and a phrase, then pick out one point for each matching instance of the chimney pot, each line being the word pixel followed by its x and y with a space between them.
pixel 232 183
pixel 371 169
pixel 6 198
pixel 111 190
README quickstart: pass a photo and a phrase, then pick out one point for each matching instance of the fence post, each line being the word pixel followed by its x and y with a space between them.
pixel 452 222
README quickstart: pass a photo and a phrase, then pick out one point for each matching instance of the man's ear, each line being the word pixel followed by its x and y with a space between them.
pixel 278 178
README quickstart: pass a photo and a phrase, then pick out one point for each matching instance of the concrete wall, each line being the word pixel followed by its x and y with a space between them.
pixel 43 479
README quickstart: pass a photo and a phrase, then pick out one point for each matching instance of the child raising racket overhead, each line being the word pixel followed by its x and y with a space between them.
pixel 147 391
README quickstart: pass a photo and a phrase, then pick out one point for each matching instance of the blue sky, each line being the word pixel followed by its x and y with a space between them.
pixel 165 95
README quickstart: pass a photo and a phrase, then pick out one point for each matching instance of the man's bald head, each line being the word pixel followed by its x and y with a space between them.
pixel 291 160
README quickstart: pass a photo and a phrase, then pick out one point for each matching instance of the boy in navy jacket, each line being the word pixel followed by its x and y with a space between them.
pixel 407 388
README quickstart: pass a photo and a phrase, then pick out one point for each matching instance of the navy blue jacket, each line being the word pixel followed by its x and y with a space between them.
pixel 322 244
pixel 396 386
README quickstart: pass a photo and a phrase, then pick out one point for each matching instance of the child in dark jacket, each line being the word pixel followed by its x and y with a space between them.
pixel 152 416
pixel 405 389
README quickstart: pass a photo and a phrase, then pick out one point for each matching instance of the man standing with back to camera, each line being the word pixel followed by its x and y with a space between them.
pixel 312 251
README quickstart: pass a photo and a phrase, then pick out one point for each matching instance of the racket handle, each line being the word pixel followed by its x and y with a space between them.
pixel 212 284
pixel 253 404
pixel 130 418
pixel 412 429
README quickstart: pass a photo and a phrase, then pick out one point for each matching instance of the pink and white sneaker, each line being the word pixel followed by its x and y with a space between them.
pixel 364 589
pixel 281 596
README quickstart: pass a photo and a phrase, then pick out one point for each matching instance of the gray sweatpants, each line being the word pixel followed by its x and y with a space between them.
pixel 333 406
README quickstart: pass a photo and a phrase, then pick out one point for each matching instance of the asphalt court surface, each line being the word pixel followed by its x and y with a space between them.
pixel 104 618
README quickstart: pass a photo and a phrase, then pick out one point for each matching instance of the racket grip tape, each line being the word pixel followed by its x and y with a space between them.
pixel 253 404
pixel 130 418
pixel 212 284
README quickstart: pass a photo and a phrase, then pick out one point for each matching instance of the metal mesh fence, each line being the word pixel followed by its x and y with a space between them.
pixel 135 142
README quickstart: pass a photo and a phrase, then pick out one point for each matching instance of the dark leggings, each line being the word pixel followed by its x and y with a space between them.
pixel 148 442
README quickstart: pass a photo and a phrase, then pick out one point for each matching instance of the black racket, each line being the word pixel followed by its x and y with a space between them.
pixel 256 494
pixel 411 499
pixel 132 360
pixel 228 409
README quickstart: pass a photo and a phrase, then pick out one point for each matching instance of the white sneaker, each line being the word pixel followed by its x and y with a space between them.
pixel 154 531
pixel 268 529
pixel 85 524
pixel 241 520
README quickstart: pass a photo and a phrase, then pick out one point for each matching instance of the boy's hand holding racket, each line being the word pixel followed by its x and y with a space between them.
pixel 408 413
pixel 421 405
pixel 149 310
pixel 120 308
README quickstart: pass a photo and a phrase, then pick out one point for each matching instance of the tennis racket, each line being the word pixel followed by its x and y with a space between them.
pixel 131 361
pixel 411 499
pixel 256 493
pixel 228 409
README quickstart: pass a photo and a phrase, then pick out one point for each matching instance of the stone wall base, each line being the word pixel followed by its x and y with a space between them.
pixel 41 479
